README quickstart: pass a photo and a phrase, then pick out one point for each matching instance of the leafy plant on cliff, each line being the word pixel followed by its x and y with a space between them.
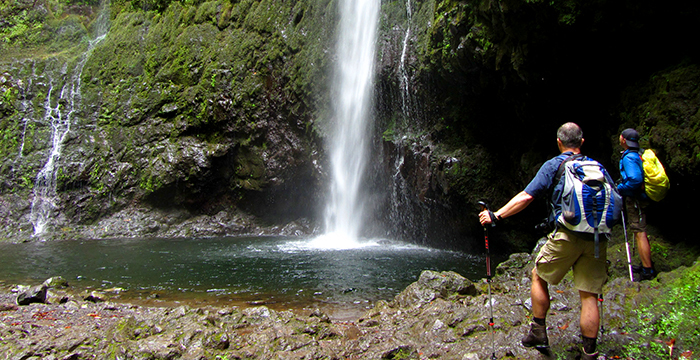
pixel 670 322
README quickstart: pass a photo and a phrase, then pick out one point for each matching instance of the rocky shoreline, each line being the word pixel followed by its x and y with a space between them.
pixel 441 316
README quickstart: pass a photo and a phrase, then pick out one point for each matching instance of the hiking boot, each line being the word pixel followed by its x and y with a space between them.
pixel 585 356
pixel 537 337
pixel 648 273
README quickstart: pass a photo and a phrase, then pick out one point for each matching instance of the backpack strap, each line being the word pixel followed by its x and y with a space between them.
pixel 555 181
pixel 560 170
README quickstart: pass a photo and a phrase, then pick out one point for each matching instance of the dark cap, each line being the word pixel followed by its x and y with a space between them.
pixel 631 137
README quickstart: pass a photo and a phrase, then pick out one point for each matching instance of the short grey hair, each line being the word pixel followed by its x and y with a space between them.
pixel 570 135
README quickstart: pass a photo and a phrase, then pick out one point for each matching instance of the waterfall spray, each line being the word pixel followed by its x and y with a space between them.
pixel 60 111
pixel 351 101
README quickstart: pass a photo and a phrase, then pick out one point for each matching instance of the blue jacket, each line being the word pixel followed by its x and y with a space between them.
pixel 632 172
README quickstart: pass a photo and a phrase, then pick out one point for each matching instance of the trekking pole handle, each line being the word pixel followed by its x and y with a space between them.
pixel 486 240
pixel 484 206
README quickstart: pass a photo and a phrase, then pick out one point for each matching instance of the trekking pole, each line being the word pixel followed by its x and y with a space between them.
pixel 602 323
pixel 627 245
pixel 488 275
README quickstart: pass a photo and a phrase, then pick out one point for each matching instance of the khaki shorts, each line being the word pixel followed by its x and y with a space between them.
pixel 566 250
pixel 636 215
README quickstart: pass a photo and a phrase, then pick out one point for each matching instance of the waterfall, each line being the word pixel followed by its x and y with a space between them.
pixel 403 72
pixel 60 111
pixel 352 98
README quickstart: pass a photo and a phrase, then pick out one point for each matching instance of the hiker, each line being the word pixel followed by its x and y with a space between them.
pixel 631 187
pixel 564 249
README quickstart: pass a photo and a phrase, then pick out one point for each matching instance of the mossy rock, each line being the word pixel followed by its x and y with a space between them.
pixel 666 112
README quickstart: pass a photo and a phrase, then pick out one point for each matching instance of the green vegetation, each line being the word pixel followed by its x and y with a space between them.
pixel 669 323
pixel 666 110
pixel 216 71
pixel 150 183
pixel 44 27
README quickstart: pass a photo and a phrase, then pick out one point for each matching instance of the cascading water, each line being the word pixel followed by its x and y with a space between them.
pixel 405 93
pixel 60 110
pixel 408 216
pixel 352 99
pixel 399 190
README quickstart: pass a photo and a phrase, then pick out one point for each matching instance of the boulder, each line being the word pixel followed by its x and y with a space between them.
pixel 516 266
pixel 56 282
pixel 432 285
pixel 446 283
pixel 30 295
pixel 96 296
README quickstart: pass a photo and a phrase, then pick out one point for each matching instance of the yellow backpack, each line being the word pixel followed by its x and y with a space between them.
pixel 656 183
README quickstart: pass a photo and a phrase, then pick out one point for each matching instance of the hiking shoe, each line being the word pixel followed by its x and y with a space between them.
pixel 585 356
pixel 648 274
pixel 537 337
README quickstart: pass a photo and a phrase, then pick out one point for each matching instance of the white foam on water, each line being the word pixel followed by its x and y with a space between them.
pixel 339 241
pixel 331 241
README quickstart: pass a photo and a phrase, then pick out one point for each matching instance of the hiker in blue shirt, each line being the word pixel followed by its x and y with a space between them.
pixel 564 250
pixel 631 187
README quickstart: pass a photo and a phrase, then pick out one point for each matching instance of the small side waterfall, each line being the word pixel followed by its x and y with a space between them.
pixel 403 72
pixel 352 100
pixel 413 208
pixel 399 196
pixel 60 111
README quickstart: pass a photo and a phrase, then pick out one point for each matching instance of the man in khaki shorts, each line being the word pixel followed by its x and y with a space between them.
pixel 564 250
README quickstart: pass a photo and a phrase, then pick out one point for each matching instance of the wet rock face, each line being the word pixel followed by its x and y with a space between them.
pixel 175 113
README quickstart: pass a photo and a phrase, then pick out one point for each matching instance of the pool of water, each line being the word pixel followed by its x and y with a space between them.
pixel 281 273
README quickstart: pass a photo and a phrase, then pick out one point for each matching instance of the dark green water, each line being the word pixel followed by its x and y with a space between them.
pixel 279 272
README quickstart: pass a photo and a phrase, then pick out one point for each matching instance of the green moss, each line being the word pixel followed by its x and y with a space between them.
pixel 150 183
pixel 403 352
pixel 390 132
pixel 216 71
pixel 666 111
pixel 250 169
pixel 96 178
pixel 208 12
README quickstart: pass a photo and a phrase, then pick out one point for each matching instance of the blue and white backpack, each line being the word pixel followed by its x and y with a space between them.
pixel 590 202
